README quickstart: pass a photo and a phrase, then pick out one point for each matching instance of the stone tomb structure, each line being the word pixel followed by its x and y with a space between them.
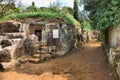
pixel 27 41
pixel 44 32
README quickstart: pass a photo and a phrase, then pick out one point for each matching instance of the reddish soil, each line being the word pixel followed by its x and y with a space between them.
pixel 87 63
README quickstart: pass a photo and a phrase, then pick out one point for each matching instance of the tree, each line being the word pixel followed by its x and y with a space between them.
pixel 32 8
pixel 103 13
pixel 20 5
pixel 56 6
pixel 45 9
pixel 33 3
pixel 86 25
pixel 5 6
pixel 76 16
pixel 67 10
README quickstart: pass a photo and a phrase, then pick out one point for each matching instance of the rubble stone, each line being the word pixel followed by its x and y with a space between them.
pixel 31 44
pixel 5 56
pixel 11 65
pixel 118 69
pixel 1 67
pixel 19 51
pixel 114 59
pixel 5 43
pixel 8 27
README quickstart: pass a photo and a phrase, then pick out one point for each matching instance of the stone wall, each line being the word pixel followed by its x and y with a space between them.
pixel 114 60
pixel 114 51
pixel 114 36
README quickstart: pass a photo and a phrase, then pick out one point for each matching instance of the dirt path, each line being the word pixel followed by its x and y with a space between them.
pixel 88 63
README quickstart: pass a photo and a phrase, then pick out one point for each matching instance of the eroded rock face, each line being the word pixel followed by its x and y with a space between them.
pixel 27 47
pixel 31 44
pixel 19 51
pixel 114 59
pixel 118 69
pixel 8 27
pixel 5 56
pixel 114 56
pixel 1 67
pixel 5 43
pixel 67 37
pixel 11 65
pixel 111 56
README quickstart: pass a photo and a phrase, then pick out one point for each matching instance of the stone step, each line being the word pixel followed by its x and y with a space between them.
pixel 41 52
pixel 45 56
pixel 32 60
pixel 44 48
pixel 36 55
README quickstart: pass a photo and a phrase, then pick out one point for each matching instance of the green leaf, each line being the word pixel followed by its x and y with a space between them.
pixel 115 2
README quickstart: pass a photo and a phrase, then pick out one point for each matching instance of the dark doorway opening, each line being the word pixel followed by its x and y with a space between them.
pixel 38 33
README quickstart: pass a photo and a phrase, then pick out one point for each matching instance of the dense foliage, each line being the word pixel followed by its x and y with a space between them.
pixel 6 7
pixel 103 13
